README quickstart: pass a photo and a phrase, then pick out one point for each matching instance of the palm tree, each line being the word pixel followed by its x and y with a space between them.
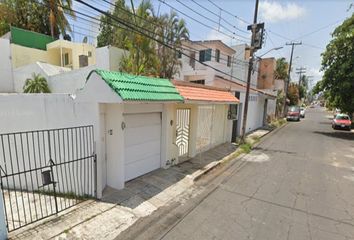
pixel 36 84
pixel 142 57
pixel 57 10
pixel 172 32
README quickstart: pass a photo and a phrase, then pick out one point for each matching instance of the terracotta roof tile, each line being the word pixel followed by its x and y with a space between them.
pixel 200 93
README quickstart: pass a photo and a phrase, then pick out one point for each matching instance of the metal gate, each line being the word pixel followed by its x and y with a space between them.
pixel 182 131
pixel 45 172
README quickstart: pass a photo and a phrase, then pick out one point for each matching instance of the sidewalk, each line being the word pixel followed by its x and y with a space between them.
pixel 119 209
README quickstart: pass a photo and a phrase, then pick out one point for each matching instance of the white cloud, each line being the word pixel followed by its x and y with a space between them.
pixel 225 38
pixel 272 11
pixel 216 35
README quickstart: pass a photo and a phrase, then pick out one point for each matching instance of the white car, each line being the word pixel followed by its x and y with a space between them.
pixel 302 112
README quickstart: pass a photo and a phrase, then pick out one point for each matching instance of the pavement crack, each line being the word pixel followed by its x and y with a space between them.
pixel 288 234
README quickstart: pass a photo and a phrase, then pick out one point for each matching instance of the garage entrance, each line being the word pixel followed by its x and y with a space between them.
pixel 142 144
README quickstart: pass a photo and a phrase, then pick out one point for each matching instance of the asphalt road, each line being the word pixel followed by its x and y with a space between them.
pixel 298 184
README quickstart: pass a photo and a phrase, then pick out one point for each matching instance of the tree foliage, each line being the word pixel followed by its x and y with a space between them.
pixel 34 16
pixel 36 84
pixel 293 93
pixel 338 64
pixel 281 69
pixel 146 56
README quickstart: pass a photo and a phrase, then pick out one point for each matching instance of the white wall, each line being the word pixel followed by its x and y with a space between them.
pixel 255 111
pixel 71 81
pixel 28 112
pixel 6 78
pixel 109 57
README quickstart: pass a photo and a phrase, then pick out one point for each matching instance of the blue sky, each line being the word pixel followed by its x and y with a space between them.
pixel 302 20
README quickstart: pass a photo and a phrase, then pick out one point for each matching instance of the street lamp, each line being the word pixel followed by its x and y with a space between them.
pixel 276 48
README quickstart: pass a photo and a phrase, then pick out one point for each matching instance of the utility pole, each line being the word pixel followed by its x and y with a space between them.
pixel 293 44
pixel 254 27
pixel 300 71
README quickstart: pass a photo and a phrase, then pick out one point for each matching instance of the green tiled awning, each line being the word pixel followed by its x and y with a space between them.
pixel 139 88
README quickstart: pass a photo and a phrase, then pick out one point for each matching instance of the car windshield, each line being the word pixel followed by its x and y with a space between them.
pixel 294 108
pixel 342 117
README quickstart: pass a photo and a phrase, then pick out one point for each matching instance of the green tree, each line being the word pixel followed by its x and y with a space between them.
pixel 142 58
pixel 293 93
pixel 172 32
pixel 281 69
pixel 338 65
pixel 34 16
pixel 36 84
pixel 146 56
pixel 112 32
pixel 57 19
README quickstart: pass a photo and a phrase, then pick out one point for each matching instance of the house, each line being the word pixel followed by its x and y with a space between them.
pixel 28 47
pixel 228 70
pixel 138 124
pixel 64 64
pixel 148 123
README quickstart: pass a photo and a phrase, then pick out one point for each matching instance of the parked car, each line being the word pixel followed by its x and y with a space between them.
pixel 341 121
pixel 293 113
pixel 302 112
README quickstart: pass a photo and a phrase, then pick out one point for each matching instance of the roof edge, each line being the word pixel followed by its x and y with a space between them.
pixel 196 85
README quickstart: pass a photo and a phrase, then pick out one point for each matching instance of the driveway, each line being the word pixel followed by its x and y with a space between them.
pixel 298 184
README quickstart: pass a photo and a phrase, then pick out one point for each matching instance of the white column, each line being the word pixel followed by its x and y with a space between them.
pixel 3 230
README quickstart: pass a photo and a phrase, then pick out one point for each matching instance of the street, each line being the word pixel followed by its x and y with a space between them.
pixel 297 184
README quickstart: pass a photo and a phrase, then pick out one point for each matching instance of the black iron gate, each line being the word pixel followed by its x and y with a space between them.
pixel 45 172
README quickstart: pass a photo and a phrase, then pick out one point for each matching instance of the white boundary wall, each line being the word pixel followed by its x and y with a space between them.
pixel 27 112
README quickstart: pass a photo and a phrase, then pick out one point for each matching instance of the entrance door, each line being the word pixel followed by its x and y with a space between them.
pixel 142 143
pixel 182 132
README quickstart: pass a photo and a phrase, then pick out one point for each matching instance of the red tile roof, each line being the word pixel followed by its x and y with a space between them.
pixel 197 92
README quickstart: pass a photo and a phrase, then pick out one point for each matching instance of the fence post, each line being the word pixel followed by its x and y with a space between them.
pixel 3 229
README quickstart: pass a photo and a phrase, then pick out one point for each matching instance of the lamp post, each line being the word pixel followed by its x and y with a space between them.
pixel 250 70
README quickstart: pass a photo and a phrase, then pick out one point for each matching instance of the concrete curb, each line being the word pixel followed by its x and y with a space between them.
pixel 211 166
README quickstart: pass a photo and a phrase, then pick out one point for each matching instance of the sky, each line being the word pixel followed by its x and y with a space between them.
pixel 308 21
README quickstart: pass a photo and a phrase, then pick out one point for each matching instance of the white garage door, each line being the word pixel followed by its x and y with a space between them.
pixel 142 143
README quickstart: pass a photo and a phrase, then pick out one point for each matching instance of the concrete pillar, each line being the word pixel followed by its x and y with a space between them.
pixel 3 230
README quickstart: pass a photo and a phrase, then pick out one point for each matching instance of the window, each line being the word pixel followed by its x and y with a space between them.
pixel 217 55
pixel 229 61
pixel 232 114
pixel 89 54
pixel 66 59
pixel 205 55
pixel 199 81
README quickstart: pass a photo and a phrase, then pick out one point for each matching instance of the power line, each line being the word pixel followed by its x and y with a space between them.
pixel 231 14
pixel 126 25
pixel 205 25
pixel 219 16
pixel 320 29
pixel 160 26
pixel 237 61
pixel 209 19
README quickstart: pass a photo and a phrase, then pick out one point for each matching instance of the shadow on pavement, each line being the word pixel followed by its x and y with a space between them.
pixel 325 123
pixel 273 150
pixel 150 185
pixel 338 134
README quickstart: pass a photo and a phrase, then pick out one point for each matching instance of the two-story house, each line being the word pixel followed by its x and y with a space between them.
pixel 65 64
pixel 227 67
